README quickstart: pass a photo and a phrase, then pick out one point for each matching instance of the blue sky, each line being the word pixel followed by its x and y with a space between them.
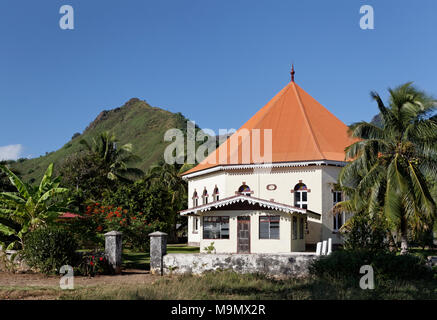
pixel 217 62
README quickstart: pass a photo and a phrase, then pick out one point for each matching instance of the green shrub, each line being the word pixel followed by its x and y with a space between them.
pixel 49 248
pixel 135 226
pixel 365 232
pixel 93 263
pixel 85 232
pixel 422 239
pixel 403 267
pixel 340 264
pixel 389 266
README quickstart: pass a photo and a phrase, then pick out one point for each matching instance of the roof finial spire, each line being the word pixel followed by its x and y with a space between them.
pixel 292 73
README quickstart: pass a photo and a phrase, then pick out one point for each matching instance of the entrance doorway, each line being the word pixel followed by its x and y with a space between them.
pixel 243 234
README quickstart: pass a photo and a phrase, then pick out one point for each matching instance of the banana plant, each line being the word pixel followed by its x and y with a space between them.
pixel 30 206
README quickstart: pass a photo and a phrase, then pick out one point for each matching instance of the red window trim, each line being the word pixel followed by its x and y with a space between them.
pixel 269 218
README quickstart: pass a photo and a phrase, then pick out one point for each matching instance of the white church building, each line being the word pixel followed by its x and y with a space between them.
pixel 244 204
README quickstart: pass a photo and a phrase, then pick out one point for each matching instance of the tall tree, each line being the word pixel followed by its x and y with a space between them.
pixel 392 163
pixel 115 159
pixel 86 177
pixel 169 176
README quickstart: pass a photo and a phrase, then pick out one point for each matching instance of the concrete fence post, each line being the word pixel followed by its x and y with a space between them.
pixel 158 249
pixel 113 249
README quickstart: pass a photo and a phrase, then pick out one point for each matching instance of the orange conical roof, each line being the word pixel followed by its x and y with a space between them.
pixel 302 130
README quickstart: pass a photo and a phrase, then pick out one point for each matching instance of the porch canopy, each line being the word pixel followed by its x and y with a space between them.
pixel 243 202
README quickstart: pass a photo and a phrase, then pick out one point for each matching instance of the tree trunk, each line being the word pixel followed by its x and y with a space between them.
pixel 391 242
pixel 173 237
pixel 404 237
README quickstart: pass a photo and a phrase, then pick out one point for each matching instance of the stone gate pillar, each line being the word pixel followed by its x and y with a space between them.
pixel 113 249
pixel 158 249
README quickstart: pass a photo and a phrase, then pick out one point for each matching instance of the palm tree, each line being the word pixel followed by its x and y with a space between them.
pixel 359 204
pixel 392 162
pixel 169 176
pixel 115 159
pixel 30 206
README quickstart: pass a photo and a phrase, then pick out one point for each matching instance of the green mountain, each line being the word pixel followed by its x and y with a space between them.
pixel 135 122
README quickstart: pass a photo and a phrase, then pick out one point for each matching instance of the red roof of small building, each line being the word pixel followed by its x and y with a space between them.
pixel 68 215
pixel 302 130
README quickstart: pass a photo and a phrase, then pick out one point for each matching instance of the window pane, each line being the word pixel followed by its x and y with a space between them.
pixel 225 233
pixel 301 228
pixel 304 196
pixel 337 196
pixel 224 228
pixel 264 228
pixel 211 228
pixel 294 228
pixel 297 196
pixel 304 206
pixel 195 223
pixel 340 220
pixel 274 229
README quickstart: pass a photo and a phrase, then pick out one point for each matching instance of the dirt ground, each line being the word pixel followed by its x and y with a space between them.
pixel 33 286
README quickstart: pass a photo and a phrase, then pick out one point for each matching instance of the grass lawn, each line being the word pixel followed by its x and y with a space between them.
pixel 217 285
pixel 141 260
pixel 209 286
pixel 424 253
pixel 228 285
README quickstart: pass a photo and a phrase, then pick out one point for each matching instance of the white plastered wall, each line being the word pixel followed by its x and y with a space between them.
pixel 329 178
pixel 209 182
pixel 285 180
pixel 318 179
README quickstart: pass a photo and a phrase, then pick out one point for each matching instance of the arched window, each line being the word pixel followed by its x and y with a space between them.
pixel 338 219
pixel 301 196
pixel 195 224
pixel 215 194
pixel 205 196
pixel 244 190
pixel 195 199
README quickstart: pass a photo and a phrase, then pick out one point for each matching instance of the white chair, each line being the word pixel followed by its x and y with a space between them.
pixel 324 247
pixel 329 246
pixel 319 248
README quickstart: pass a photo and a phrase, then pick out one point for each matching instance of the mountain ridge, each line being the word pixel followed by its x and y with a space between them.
pixel 134 122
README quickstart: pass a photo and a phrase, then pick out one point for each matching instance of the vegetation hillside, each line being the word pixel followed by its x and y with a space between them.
pixel 135 122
